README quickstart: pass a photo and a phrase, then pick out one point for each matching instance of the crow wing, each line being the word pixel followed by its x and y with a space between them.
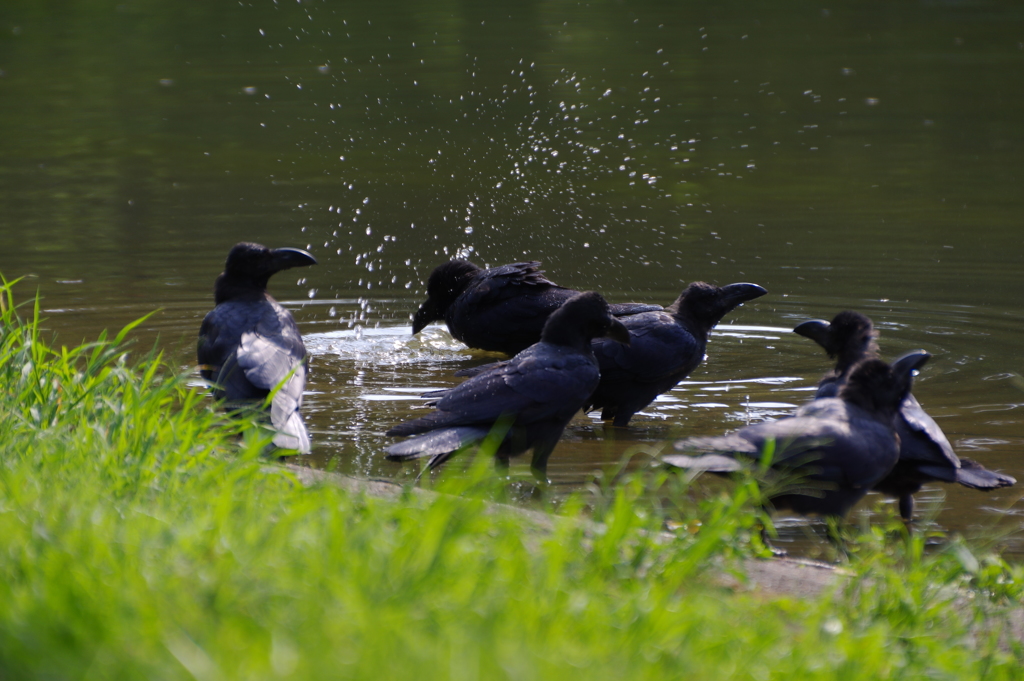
pixel 659 348
pixel 922 438
pixel 842 443
pixel 545 382
pixel 248 348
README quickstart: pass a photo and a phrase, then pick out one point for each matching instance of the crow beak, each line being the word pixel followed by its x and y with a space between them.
pixel 426 314
pixel 618 332
pixel 287 258
pixel 737 294
pixel 816 329
pixel 906 367
pixel 910 362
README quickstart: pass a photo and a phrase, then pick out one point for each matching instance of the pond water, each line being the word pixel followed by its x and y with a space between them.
pixel 861 157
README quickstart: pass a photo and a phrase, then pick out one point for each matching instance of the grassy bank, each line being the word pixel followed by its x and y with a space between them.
pixel 142 537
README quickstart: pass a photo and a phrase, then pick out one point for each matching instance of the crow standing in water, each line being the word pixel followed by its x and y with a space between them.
pixel 539 390
pixel 665 346
pixel 501 309
pixel 925 453
pixel 841 446
pixel 248 344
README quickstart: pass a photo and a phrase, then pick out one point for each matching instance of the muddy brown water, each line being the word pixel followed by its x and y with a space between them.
pixel 867 157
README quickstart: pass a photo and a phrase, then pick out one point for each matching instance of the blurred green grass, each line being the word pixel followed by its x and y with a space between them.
pixel 142 536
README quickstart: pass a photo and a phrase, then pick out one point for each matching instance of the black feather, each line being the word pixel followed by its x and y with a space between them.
pixel 249 345
pixel 839 446
pixel 502 309
pixel 665 346
pixel 534 394
pixel 925 453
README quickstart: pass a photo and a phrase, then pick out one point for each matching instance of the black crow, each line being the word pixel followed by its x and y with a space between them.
pixel 249 344
pixel 665 346
pixel 839 447
pixel 501 309
pixel 925 452
pixel 538 391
